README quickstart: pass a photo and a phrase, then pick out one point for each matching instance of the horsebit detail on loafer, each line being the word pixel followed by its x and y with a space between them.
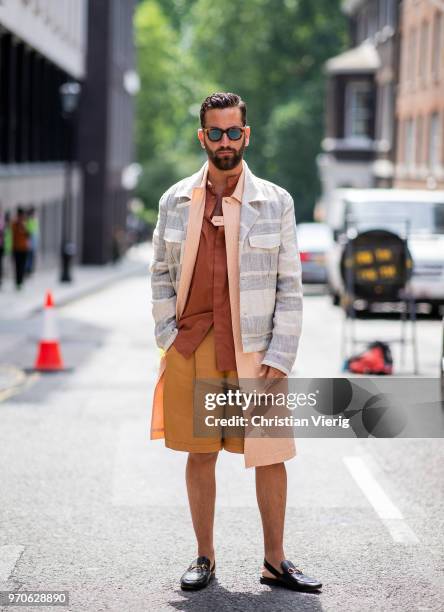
pixel 203 566
pixel 294 570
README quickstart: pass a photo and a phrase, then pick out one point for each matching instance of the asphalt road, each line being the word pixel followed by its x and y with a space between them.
pixel 90 505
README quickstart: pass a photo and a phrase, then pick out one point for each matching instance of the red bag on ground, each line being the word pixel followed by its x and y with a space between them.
pixel 376 359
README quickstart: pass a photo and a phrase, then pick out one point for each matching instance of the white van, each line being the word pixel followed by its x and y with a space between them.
pixel 415 214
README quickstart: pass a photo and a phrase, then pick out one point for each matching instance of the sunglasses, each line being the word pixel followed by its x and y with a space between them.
pixel 214 134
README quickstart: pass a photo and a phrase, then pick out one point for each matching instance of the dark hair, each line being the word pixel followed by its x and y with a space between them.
pixel 20 210
pixel 222 100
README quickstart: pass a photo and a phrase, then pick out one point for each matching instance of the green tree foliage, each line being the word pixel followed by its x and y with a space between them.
pixel 157 48
pixel 177 11
pixel 271 52
pixel 165 115
pixel 291 145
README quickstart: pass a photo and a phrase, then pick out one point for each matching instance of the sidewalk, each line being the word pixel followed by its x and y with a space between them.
pixel 86 279
pixel 15 306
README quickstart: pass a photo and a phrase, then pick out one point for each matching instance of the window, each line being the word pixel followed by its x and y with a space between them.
pixel 434 141
pixel 358 109
pixel 391 13
pixel 405 53
pixel 411 64
pixel 387 112
pixel 419 139
pixel 372 20
pixel 438 45
pixel 381 13
pixel 426 217
pixel 423 55
pixel 362 27
pixel 386 13
pixel 409 142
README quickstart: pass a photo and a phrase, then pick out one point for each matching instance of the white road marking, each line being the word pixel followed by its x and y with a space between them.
pixel 9 555
pixel 390 514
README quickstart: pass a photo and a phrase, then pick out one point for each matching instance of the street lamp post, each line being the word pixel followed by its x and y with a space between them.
pixel 69 95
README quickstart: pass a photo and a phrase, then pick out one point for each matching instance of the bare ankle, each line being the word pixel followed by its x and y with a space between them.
pixel 206 552
pixel 274 557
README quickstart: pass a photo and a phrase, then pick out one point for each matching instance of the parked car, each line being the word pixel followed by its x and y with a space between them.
pixel 441 365
pixel 314 240
pixel 415 214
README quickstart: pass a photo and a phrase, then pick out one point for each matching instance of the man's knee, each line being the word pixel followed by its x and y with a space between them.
pixel 200 459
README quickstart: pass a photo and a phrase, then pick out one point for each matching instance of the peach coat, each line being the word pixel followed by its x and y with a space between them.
pixel 257 451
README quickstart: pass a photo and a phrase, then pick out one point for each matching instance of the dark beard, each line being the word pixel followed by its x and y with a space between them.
pixel 226 163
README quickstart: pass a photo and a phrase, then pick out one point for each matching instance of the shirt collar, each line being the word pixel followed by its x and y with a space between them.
pixel 238 192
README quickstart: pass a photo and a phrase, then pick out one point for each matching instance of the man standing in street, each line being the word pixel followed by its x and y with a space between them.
pixel 32 226
pixel 227 303
pixel 3 230
pixel 20 246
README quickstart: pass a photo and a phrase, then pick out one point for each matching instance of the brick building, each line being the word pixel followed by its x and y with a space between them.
pixel 420 100
pixel 359 144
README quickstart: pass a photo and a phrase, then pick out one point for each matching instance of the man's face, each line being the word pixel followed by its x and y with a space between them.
pixel 225 154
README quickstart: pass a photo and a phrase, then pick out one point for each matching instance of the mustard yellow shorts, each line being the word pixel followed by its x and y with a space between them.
pixel 178 399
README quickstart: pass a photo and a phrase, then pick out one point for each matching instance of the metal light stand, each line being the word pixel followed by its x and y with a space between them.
pixel 69 95
pixel 349 340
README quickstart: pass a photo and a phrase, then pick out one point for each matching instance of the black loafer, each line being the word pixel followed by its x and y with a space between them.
pixel 198 574
pixel 290 578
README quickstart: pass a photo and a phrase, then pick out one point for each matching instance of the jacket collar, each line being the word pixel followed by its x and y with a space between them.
pixel 252 191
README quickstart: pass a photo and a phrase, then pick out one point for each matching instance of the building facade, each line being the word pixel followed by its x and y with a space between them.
pixel 106 129
pixel 359 145
pixel 42 45
pixel 420 102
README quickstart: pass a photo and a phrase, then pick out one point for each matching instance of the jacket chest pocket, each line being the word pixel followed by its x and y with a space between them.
pixel 265 250
pixel 174 244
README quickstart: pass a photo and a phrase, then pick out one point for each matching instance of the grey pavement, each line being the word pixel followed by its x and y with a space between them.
pixel 18 307
pixel 89 504
pixel 85 279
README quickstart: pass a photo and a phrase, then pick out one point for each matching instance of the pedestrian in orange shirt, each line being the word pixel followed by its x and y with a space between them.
pixel 20 246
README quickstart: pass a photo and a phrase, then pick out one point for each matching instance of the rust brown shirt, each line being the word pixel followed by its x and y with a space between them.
pixel 208 301
pixel 19 236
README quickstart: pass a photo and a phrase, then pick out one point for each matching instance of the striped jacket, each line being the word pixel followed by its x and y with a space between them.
pixel 269 268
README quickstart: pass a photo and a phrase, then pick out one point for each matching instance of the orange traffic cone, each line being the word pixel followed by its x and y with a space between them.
pixel 49 356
